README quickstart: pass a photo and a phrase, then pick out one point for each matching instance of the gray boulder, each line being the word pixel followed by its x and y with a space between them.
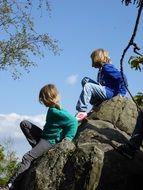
pixel 66 167
pixel 91 162
pixel 121 112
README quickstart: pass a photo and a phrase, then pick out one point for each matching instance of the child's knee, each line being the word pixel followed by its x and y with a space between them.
pixel 24 124
pixel 84 81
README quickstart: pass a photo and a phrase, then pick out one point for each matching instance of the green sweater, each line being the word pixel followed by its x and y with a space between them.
pixel 59 125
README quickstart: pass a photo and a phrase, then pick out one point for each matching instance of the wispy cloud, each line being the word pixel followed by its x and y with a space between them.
pixel 72 79
pixel 9 124
pixel 9 128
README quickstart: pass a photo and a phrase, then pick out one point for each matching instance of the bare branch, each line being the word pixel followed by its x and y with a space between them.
pixel 131 42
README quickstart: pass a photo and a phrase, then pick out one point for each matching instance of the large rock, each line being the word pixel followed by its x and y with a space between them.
pixel 91 163
pixel 121 112
pixel 66 167
pixel 118 173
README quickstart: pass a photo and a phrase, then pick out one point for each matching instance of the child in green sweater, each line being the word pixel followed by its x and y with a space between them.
pixel 59 126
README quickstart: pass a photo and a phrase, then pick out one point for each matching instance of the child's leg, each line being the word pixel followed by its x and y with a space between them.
pixel 86 80
pixel 42 147
pixel 31 132
pixel 90 91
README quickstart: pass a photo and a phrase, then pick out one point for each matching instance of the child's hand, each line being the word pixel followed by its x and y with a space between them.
pixel 66 139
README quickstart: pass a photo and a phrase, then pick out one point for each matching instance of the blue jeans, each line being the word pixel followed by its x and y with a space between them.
pixel 137 135
pixel 92 93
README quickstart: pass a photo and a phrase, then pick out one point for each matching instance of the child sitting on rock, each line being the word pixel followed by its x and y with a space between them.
pixel 59 126
pixel 109 83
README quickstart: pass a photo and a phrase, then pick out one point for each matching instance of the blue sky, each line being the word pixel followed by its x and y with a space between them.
pixel 80 27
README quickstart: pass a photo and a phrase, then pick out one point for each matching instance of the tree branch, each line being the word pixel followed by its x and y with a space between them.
pixel 131 42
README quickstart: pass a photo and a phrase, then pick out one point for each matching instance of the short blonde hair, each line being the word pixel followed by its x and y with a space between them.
pixel 49 95
pixel 100 56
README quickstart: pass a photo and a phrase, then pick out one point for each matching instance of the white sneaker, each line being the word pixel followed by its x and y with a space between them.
pixel 81 115
pixel 10 186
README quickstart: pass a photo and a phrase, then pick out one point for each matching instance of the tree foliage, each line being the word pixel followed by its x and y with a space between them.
pixel 139 99
pixel 19 41
pixel 8 161
pixel 137 2
pixel 135 62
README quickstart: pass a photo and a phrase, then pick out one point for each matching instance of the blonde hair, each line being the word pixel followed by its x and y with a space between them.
pixel 49 95
pixel 100 56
